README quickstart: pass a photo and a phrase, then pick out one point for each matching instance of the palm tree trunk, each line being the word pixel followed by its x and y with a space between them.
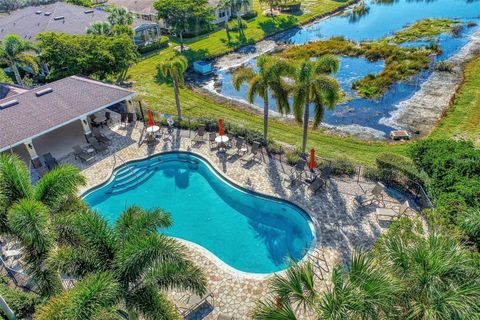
pixel 16 73
pixel 265 116
pixel 177 98
pixel 181 41
pixel 306 115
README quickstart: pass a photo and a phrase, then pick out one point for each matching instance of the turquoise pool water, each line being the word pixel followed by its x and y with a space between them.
pixel 248 231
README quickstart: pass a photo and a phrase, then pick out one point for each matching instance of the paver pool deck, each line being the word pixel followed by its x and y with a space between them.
pixel 341 225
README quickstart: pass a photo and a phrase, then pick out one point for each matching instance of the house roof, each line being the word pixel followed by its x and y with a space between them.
pixel 146 6
pixel 30 114
pixel 30 21
pixel 7 90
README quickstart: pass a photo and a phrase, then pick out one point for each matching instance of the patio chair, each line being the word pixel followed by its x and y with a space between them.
pixel 108 118
pixel 387 214
pixel 130 117
pixel 375 196
pixel 50 161
pixel 199 134
pixel 253 153
pixel 97 145
pixel 82 154
pixel 211 139
pixel 123 118
pixel 240 147
pixel 316 185
pixel 299 169
pixel 100 137
pixel 325 175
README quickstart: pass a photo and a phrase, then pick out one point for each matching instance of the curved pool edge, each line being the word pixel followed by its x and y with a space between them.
pixel 207 253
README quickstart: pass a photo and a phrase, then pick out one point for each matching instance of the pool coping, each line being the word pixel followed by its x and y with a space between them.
pixel 210 255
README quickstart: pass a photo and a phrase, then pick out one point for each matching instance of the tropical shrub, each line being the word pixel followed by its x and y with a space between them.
pixel 22 303
pixel 157 45
pixel 444 66
pixel 342 167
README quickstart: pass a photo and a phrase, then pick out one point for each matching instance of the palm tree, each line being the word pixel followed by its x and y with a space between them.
pixel 225 6
pixel 141 261
pixel 102 28
pixel 314 86
pixel 268 78
pixel 14 52
pixel 439 277
pixel 174 70
pixel 26 213
pixel 120 16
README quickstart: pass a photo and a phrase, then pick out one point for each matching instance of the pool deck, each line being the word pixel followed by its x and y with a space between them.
pixel 341 225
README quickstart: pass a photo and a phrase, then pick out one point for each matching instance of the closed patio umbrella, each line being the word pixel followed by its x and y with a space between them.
pixel 221 130
pixel 311 161
pixel 151 122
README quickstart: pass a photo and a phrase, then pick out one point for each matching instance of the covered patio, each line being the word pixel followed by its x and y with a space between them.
pixel 48 121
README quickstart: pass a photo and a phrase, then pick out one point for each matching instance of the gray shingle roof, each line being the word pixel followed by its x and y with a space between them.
pixel 70 99
pixel 28 22
pixel 146 6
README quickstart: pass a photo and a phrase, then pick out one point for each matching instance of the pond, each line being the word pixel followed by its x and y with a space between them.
pixel 383 19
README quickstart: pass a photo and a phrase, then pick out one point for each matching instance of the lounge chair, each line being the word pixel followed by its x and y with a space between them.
pixel 387 214
pixel 50 161
pixel 239 148
pixel 375 196
pixel 97 145
pixel 192 303
pixel 100 137
pixel 82 154
pixel 325 175
pixel 199 134
pixel 253 153
pixel 211 139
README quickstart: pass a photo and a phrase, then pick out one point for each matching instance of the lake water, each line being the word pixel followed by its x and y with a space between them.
pixel 381 20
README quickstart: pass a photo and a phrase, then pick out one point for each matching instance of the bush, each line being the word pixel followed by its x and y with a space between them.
pixel 157 45
pixel 250 15
pixel 342 167
pixel 22 303
pixel 293 156
pixel 401 164
pixel 469 224
pixel 274 147
pixel 444 66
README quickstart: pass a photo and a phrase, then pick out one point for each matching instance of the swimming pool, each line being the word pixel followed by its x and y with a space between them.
pixel 247 231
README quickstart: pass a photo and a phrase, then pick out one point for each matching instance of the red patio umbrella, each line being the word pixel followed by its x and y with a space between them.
pixel 221 130
pixel 151 122
pixel 311 162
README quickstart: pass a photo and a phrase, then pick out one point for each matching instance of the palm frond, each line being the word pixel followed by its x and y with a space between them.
pixel 241 76
pixel 136 221
pixel 299 101
pixel 256 87
pixel 28 60
pixel 58 184
pixel 76 261
pixel 14 180
pixel 89 297
pixel 327 64
pixel 178 275
pixel 151 304
pixel 269 310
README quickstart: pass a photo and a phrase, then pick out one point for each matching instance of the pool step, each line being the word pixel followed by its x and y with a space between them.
pixel 133 183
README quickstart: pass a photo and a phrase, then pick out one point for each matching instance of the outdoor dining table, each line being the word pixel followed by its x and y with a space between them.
pixel 222 142
pixel 153 129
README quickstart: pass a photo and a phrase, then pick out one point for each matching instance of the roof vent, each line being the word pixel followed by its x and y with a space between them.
pixel 8 104
pixel 38 12
pixel 88 11
pixel 47 13
pixel 43 92
pixel 59 18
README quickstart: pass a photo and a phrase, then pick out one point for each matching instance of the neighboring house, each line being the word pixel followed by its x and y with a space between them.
pixel 64 17
pixel 144 9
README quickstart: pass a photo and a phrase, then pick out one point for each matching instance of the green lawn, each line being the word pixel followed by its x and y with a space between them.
pixel 463 118
pixel 159 96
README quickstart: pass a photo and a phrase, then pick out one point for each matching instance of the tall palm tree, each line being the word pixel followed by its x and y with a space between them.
pixel 268 78
pixel 101 28
pixel 314 86
pixel 226 6
pixel 140 260
pixel 120 16
pixel 174 69
pixel 14 52
pixel 26 213
pixel 440 278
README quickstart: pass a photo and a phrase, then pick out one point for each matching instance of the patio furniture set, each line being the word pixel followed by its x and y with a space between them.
pixel 188 304
pixel 97 143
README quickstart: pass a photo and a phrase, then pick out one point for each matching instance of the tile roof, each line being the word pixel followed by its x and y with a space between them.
pixel 146 6
pixel 28 22
pixel 70 99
